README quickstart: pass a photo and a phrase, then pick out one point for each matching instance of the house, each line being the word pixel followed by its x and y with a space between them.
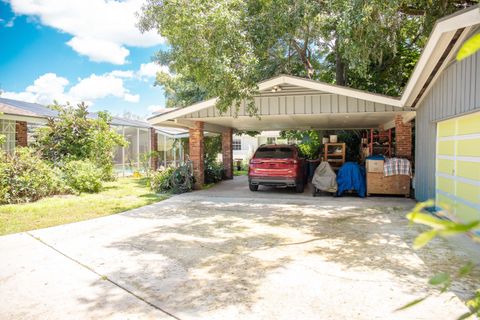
pixel 19 119
pixel 442 97
pixel 245 145
pixel 445 94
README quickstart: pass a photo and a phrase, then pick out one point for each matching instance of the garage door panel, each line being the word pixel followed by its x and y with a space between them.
pixel 446 166
pixel 468 192
pixel 446 184
pixel 467 213
pixel 458 166
pixel 467 169
pixel 446 148
pixel 468 125
pixel 468 148
pixel 446 128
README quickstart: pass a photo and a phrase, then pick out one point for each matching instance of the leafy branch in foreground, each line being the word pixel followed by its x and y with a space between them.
pixel 444 228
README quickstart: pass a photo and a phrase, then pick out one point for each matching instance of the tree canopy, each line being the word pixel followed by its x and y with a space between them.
pixel 223 48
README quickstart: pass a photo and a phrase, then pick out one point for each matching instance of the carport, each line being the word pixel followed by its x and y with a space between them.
pixel 287 102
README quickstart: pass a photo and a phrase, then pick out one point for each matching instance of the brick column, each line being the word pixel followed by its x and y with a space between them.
pixel 21 135
pixel 403 138
pixel 196 146
pixel 153 148
pixel 227 153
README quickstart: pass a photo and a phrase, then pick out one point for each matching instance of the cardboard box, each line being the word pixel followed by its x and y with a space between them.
pixel 375 165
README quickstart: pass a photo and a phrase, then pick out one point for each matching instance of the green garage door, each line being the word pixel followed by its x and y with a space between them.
pixel 458 166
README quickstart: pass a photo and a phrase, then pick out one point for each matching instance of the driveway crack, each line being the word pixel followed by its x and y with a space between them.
pixel 104 277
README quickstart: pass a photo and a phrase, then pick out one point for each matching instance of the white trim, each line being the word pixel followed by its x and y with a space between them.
pixel 426 63
pixel 184 111
pixel 457 178
pixel 459 158
pixel 328 88
pixel 460 137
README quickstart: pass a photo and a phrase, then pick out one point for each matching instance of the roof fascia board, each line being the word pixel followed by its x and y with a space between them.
pixel 321 86
pixel 183 111
pixel 444 65
pixel 445 25
pixel 31 119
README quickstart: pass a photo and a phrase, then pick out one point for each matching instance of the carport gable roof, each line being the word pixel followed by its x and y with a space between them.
pixel 445 39
pixel 288 102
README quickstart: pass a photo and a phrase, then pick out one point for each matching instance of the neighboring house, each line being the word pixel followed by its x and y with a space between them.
pixel 19 119
pixel 244 145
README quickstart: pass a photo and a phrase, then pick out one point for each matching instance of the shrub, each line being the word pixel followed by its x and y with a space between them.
pixel 75 136
pixel 213 172
pixel 25 177
pixel 83 176
pixel 161 181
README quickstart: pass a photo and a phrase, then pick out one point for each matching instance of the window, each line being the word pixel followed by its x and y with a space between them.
pixel 271 140
pixel 7 128
pixel 274 153
pixel 237 144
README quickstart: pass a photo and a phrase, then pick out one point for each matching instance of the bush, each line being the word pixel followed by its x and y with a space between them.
pixel 75 136
pixel 161 181
pixel 214 172
pixel 25 177
pixel 83 176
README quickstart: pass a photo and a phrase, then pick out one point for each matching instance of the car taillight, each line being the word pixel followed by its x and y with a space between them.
pixel 255 161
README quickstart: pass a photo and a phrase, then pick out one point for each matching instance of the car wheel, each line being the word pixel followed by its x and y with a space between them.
pixel 299 188
pixel 253 187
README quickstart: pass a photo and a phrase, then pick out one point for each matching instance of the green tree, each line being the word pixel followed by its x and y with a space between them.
pixel 75 136
pixel 223 48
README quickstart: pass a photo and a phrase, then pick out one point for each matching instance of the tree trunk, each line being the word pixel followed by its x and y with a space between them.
pixel 302 52
pixel 340 76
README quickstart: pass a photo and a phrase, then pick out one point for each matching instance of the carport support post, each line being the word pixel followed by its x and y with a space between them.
pixel 227 152
pixel 196 146
pixel 403 138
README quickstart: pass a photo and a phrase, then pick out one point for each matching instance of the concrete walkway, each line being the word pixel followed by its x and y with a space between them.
pixel 228 253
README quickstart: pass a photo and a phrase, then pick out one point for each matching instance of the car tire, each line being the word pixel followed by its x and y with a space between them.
pixel 253 187
pixel 299 188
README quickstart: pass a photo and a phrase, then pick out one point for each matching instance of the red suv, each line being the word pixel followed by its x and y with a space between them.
pixel 276 165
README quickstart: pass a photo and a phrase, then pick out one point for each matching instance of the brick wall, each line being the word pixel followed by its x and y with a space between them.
pixel 21 134
pixel 403 138
pixel 196 147
pixel 227 153
pixel 153 148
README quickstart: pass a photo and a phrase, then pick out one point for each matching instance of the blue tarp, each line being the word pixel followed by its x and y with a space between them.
pixel 351 176
pixel 377 157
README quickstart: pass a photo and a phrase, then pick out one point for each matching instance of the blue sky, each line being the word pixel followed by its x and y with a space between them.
pixel 52 51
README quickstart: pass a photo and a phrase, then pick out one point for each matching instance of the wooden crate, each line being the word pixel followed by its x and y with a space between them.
pixel 377 183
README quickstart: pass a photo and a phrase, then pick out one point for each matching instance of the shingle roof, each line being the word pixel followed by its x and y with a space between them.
pixel 23 108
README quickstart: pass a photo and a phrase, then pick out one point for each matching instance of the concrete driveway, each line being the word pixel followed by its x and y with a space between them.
pixel 228 253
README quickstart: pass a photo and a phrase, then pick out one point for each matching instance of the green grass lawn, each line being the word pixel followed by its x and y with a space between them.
pixel 240 172
pixel 117 196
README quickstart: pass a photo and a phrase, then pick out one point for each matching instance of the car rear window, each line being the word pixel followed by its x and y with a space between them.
pixel 274 153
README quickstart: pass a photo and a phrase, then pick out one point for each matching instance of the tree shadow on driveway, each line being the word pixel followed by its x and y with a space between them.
pixel 202 256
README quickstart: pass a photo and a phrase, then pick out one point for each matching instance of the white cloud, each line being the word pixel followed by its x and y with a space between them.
pixel 49 87
pixel 131 97
pixel 149 70
pixel 154 108
pixel 96 25
pixel 44 89
pixel 99 50
pixel 122 73
pixel 97 87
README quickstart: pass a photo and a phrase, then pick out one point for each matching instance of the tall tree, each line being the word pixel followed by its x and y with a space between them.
pixel 224 47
